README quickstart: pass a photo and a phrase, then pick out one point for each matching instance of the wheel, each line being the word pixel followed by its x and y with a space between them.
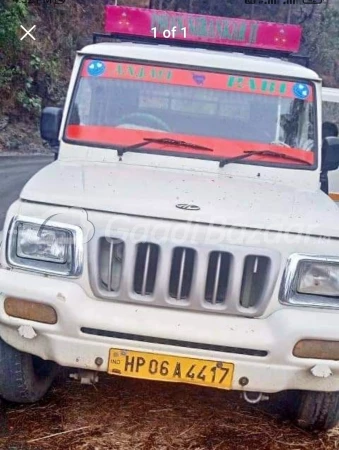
pixel 24 378
pixel 314 411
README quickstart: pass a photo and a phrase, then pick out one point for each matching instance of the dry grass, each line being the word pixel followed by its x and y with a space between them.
pixel 121 414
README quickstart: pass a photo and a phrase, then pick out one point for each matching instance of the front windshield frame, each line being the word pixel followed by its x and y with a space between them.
pixel 207 157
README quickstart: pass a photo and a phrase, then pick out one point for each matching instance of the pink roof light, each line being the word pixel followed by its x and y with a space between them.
pixel 222 31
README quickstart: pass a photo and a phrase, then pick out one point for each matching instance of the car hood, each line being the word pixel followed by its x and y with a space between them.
pixel 156 192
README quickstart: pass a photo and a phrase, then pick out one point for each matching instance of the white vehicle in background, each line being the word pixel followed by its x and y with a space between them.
pixel 330 109
pixel 181 235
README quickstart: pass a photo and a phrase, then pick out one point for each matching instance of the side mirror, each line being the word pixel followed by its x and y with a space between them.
pixel 50 125
pixel 330 153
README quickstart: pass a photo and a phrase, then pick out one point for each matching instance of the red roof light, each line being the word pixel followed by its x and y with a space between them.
pixel 222 31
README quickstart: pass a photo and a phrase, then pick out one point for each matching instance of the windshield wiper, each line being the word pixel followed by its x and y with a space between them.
pixel 169 141
pixel 246 154
pixel 249 153
pixel 179 143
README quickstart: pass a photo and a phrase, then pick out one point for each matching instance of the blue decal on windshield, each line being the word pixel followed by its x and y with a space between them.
pixel 96 68
pixel 301 90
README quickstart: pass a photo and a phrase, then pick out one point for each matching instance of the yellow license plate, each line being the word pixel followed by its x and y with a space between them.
pixel 152 366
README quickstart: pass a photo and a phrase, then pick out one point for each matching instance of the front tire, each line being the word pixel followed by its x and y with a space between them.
pixel 24 378
pixel 314 411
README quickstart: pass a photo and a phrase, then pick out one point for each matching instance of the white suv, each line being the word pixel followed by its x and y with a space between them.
pixel 181 234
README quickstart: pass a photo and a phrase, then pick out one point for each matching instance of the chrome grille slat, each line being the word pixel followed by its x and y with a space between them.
pixel 111 257
pixel 234 285
pixel 216 280
pixel 110 265
pixel 145 274
pixel 129 259
pixel 200 270
pixel 254 278
pixel 181 276
pixel 246 288
pixel 145 269
pixel 161 288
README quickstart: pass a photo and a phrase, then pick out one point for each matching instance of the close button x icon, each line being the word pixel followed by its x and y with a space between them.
pixel 28 33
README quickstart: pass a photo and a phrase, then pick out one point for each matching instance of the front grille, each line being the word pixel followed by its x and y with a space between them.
pixel 181 273
pixel 233 279
pixel 254 279
pixel 145 269
pixel 110 263
pixel 217 277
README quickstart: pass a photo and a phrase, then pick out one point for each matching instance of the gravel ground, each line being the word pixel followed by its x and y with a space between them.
pixel 125 414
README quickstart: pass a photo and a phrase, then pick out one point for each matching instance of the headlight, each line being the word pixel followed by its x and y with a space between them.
pixel 52 247
pixel 42 243
pixel 311 281
pixel 319 279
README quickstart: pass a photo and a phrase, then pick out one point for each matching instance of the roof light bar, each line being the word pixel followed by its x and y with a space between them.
pixel 198 28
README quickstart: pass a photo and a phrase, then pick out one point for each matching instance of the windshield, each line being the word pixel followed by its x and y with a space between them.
pixel 118 104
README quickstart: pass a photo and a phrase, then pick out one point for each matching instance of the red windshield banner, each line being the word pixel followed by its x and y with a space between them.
pixel 203 28
pixel 207 80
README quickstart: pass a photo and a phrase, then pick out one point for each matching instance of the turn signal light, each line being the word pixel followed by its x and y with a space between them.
pixel 310 348
pixel 28 310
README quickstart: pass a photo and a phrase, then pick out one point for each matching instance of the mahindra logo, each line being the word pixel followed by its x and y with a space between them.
pixel 188 207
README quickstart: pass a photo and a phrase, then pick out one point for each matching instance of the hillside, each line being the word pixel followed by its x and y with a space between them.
pixel 36 73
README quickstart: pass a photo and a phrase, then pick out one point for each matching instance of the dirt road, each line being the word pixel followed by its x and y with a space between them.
pixel 124 414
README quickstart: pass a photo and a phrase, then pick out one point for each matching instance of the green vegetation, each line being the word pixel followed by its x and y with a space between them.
pixel 13 70
pixel 10 20
pixel 36 73
pixel 11 16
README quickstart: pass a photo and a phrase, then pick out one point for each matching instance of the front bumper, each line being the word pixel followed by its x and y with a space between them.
pixel 67 345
